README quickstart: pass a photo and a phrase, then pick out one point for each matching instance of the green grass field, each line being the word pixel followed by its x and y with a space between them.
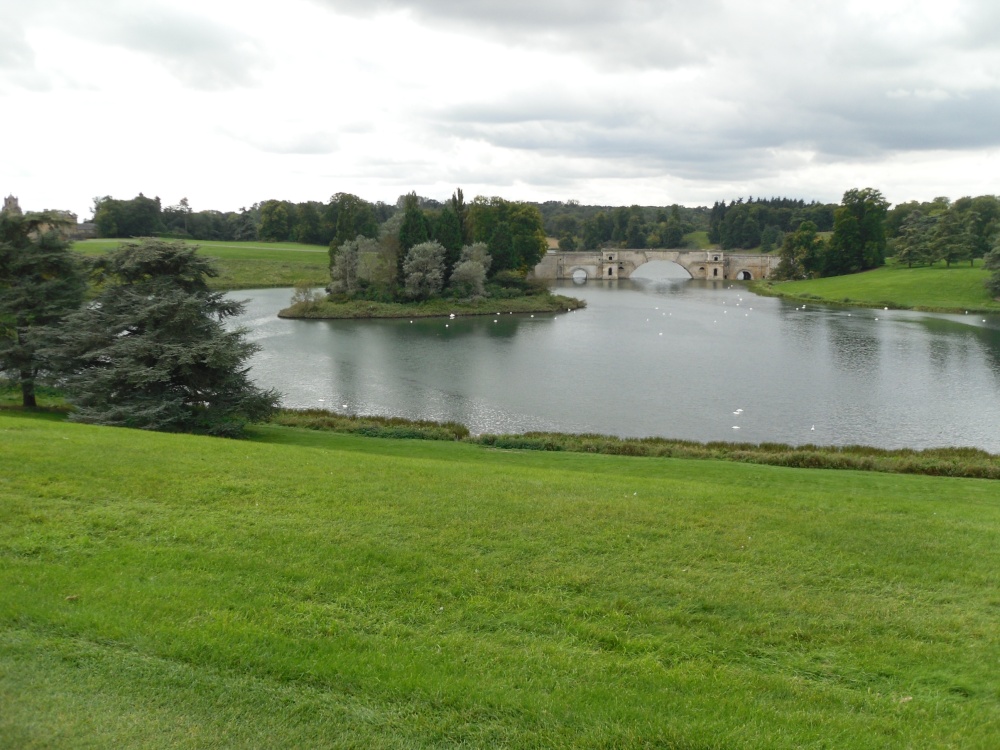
pixel 250 265
pixel 308 589
pixel 935 288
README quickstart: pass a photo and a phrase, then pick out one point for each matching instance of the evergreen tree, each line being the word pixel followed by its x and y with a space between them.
pixel 153 351
pixel 41 281
pixel 914 243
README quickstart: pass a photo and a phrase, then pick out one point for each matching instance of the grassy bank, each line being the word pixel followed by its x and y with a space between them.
pixel 535 303
pixel 316 589
pixel 250 265
pixel 932 288
pixel 948 462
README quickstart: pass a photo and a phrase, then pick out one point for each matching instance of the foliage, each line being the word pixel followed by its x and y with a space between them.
pixel 153 351
pixel 344 268
pixel 395 428
pixel 468 278
pixel 423 270
pixel 506 304
pixel 859 239
pixel 275 221
pixel 413 230
pixel 743 224
pixel 41 281
pixel 801 253
pixel 952 238
pixel 355 218
pixel 305 295
pixel 914 242
pixel 313 589
pixel 139 217
pixel 991 262
pixel 511 230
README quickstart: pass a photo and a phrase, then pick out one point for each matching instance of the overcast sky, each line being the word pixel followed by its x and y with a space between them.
pixel 230 102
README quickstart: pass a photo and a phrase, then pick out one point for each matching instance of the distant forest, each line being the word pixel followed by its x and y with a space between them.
pixel 741 223
pixel 752 223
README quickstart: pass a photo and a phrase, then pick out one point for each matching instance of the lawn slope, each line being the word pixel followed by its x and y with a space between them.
pixel 324 590
pixel 933 288
pixel 249 265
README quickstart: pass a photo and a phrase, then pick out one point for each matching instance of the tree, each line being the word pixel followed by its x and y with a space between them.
pixel 413 230
pixel 448 231
pixel 41 281
pixel 139 217
pixel 991 262
pixel 153 351
pixel 423 270
pixel 953 240
pixel 914 243
pixel 344 269
pixel 801 253
pixel 354 217
pixel 468 277
pixel 859 240
pixel 275 221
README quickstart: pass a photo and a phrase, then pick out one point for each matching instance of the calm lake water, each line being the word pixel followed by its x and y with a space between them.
pixel 672 358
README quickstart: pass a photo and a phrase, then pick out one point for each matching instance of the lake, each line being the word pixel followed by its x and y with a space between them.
pixel 654 357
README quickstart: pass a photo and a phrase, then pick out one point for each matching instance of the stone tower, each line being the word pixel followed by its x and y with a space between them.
pixel 10 204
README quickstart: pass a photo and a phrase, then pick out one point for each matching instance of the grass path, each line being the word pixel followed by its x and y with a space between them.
pixel 316 589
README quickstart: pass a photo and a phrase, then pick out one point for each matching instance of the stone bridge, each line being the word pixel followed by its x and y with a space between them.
pixel 620 264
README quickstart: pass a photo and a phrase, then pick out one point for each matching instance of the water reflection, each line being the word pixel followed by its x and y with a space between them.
pixel 654 357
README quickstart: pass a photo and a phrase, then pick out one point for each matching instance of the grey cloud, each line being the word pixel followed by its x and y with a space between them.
pixel 202 54
pixel 625 34
pixel 288 141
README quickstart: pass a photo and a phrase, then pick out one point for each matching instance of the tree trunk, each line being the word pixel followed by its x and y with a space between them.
pixel 28 390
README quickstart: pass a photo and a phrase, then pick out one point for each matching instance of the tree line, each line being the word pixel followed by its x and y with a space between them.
pixel 865 231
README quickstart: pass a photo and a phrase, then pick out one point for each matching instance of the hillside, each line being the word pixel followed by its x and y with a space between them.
pixel 311 589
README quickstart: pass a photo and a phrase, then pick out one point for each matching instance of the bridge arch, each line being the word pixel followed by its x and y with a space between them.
pixel 744 275
pixel 660 269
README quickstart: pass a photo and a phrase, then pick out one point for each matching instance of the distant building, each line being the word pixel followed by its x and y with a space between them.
pixel 10 204
pixel 62 221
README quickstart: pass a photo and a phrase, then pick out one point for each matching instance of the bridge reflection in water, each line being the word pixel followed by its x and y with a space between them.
pixel 558 265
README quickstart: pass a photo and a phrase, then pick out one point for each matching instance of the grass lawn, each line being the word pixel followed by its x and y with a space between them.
pixel 935 288
pixel 309 589
pixel 250 265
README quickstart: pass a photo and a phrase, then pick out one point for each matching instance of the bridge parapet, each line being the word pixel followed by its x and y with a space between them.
pixel 614 263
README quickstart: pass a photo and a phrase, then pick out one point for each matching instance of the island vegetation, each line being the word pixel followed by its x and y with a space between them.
pixel 468 259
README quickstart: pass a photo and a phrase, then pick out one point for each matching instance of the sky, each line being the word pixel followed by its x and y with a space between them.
pixel 655 102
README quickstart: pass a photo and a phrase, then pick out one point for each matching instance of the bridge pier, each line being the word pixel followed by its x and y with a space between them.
pixel 613 263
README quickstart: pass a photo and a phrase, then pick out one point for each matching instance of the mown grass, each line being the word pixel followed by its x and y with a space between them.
pixel 325 590
pixel 249 265
pixel 933 288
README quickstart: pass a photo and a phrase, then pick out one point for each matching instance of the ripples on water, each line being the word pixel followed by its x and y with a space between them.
pixel 654 358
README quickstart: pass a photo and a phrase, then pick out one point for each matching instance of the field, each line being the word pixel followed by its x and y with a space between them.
pixel 308 589
pixel 250 265
pixel 934 288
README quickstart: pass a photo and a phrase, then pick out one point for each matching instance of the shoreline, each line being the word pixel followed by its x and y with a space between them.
pixel 765 288
pixel 439 308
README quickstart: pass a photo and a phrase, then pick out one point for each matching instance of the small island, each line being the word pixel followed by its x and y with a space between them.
pixel 456 260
